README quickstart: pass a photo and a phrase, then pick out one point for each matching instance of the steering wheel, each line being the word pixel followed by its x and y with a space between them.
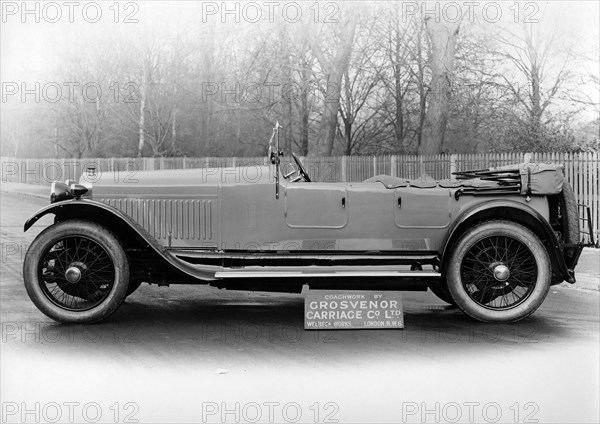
pixel 302 174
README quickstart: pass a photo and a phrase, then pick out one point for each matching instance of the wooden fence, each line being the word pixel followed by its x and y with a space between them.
pixel 581 170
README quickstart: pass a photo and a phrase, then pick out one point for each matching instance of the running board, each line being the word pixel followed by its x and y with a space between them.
pixel 326 273
pixel 302 259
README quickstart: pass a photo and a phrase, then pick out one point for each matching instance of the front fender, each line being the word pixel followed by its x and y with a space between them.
pixel 70 208
pixel 53 208
pixel 93 211
pixel 517 212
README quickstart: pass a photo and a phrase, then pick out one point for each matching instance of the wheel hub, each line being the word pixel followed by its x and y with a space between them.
pixel 73 274
pixel 501 272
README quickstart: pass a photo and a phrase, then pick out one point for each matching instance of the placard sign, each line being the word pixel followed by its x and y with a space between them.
pixel 350 309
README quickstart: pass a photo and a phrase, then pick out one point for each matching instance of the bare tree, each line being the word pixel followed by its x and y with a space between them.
pixel 530 53
pixel 442 41
pixel 334 68
pixel 360 81
pixel 403 71
pixel 543 65
pixel 374 81
pixel 305 82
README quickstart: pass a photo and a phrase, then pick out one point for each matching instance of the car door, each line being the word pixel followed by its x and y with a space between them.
pixel 422 207
pixel 315 205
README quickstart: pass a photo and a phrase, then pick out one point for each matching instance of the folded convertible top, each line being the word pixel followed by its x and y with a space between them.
pixel 534 178
pixel 525 178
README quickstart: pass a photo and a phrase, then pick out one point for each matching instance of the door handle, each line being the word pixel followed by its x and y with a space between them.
pixel 343 202
pixel 399 202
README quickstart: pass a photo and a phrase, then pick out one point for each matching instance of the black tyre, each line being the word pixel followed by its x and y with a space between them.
pixel 440 289
pixel 499 271
pixel 76 272
pixel 133 286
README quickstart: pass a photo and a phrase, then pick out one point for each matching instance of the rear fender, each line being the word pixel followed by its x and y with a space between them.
pixel 516 212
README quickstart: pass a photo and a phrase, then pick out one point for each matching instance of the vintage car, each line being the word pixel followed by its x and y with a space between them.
pixel 491 242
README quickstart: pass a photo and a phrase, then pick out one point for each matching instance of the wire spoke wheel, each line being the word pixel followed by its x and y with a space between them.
pixel 499 272
pixel 440 289
pixel 76 273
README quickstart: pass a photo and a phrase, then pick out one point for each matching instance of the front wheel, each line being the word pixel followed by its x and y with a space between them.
pixel 499 271
pixel 77 272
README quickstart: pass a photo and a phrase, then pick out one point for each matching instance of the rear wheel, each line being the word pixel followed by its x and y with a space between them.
pixel 76 271
pixel 499 271
pixel 440 289
pixel 133 286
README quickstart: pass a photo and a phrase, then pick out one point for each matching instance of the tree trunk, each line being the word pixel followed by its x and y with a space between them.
pixel 174 112
pixel 207 71
pixel 286 94
pixel 442 36
pixel 348 114
pixel 536 107
pixel 422 91
pixel 177 62
pixel 142 122
pixel 399 121
pixel 55 142
pixel 304 148
pixel 174 129
pixel 536 103
pixel 305 113
pixel 348 133
pixel 399 124
pixel 330 117
pixel 305 74
pixel 334 71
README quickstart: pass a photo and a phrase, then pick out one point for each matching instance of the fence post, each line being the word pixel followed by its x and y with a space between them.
pixel 527 157
pixel 374 165
pixel 344 158
pixel 452 164
pixel 393 166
